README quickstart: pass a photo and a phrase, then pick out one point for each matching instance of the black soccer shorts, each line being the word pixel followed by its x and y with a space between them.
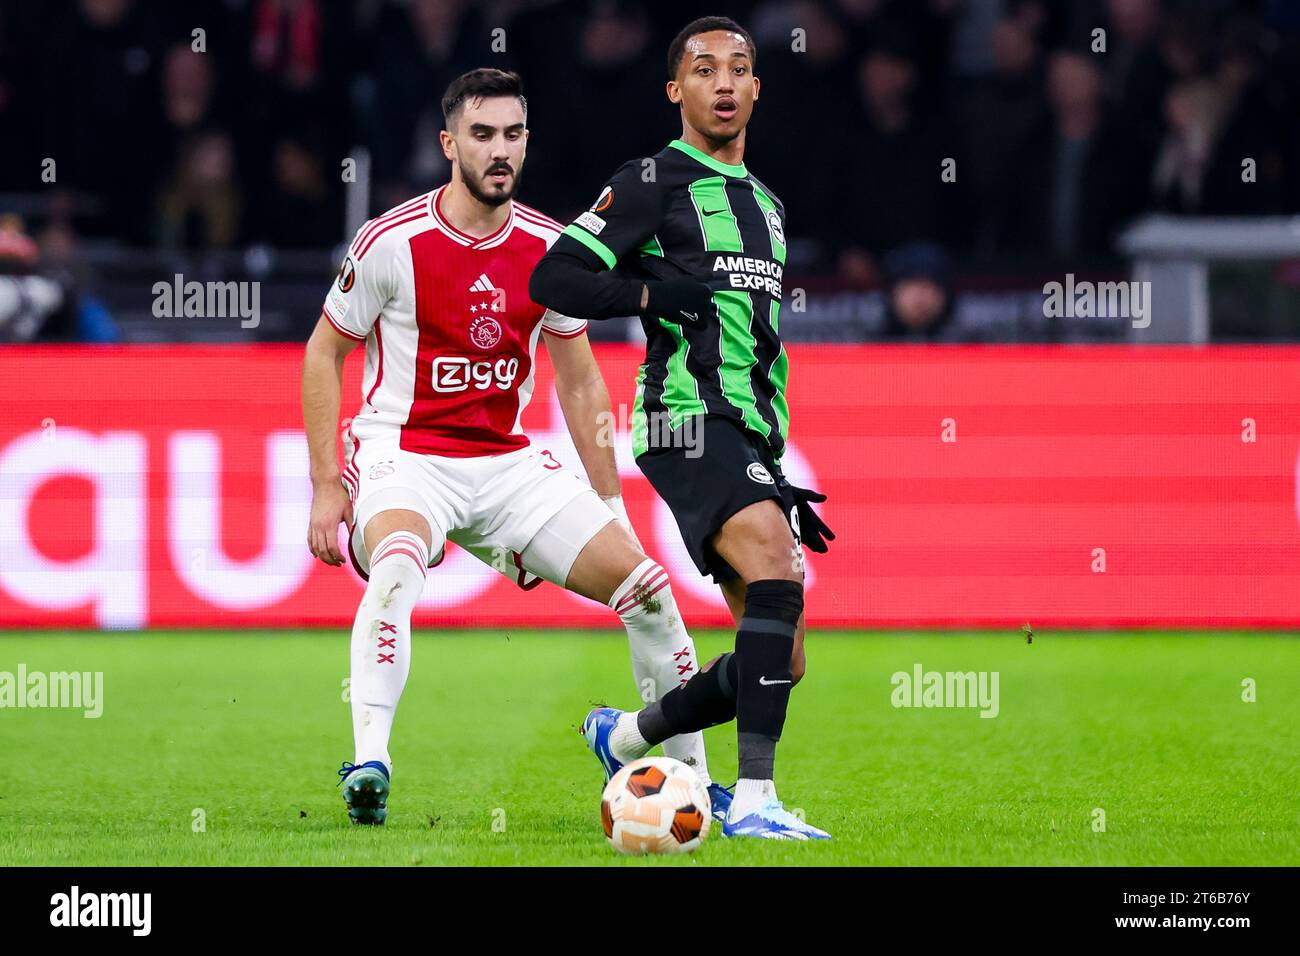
pixel 727 469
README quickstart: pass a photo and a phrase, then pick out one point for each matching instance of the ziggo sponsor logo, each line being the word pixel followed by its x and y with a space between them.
pixel 455 373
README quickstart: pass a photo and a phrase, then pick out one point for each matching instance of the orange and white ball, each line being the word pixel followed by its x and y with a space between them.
pixel 655 805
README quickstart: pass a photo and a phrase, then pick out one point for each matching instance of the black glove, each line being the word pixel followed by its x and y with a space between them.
pixel 812 529
pixel 684 301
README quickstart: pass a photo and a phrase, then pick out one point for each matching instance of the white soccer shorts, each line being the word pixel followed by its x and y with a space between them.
pixel 492 506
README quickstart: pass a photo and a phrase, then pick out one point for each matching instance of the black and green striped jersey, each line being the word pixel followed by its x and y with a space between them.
pixel 684 213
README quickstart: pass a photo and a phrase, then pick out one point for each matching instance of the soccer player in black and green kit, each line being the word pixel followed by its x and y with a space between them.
pixel 693 243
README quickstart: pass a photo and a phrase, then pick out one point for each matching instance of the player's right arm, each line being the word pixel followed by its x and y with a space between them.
pixel 322 386
pixel 574 276
pixel 355 301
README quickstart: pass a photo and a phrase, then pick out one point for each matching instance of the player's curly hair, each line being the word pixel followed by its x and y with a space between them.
pixel 484 81
pixel 677 49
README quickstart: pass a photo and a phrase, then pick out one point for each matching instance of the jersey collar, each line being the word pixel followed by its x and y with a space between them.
pixel 464 238
pixel 716 165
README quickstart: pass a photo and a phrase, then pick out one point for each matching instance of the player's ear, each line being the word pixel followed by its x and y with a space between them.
pixel 756 86
pixel 674 92
pixel 448 145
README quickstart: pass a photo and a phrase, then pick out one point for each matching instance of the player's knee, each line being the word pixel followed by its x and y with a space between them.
pixel 394 520
pixel 397 552
pixel 644 591
pixel 776 559
pixel 758 543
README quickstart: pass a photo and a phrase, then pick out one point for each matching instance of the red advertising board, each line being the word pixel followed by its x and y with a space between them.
pixel 983 486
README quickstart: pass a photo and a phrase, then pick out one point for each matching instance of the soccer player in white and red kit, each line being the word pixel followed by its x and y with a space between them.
pixel 437 290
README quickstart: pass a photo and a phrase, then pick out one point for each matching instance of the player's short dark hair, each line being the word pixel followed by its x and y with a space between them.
pixel 485 81
pixel 677 49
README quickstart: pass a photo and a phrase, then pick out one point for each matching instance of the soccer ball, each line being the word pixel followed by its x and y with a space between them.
pixel 655 805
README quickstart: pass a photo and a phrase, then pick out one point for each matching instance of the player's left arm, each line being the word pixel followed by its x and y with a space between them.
pixel 584 399
pixel 574 276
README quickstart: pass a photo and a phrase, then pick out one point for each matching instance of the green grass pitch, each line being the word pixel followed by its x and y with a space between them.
pixel 243 732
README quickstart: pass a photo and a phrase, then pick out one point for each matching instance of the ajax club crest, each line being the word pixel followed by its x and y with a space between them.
pixel 485 332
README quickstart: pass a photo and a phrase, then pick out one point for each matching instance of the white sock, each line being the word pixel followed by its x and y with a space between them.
pixel 381 641
pixel 663 654
pixel 750 795
pixel 625 740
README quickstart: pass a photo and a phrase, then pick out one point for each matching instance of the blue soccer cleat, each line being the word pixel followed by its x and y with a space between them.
pixel 772 821
pixel 720 798
pixel 365 791
pixel 597 727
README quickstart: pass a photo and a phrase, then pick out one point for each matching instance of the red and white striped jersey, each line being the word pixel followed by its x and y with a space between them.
pixel 450 331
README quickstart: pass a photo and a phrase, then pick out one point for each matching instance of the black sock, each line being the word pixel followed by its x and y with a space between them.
pixel 706 700
pixel 763 648
pixel 728 675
